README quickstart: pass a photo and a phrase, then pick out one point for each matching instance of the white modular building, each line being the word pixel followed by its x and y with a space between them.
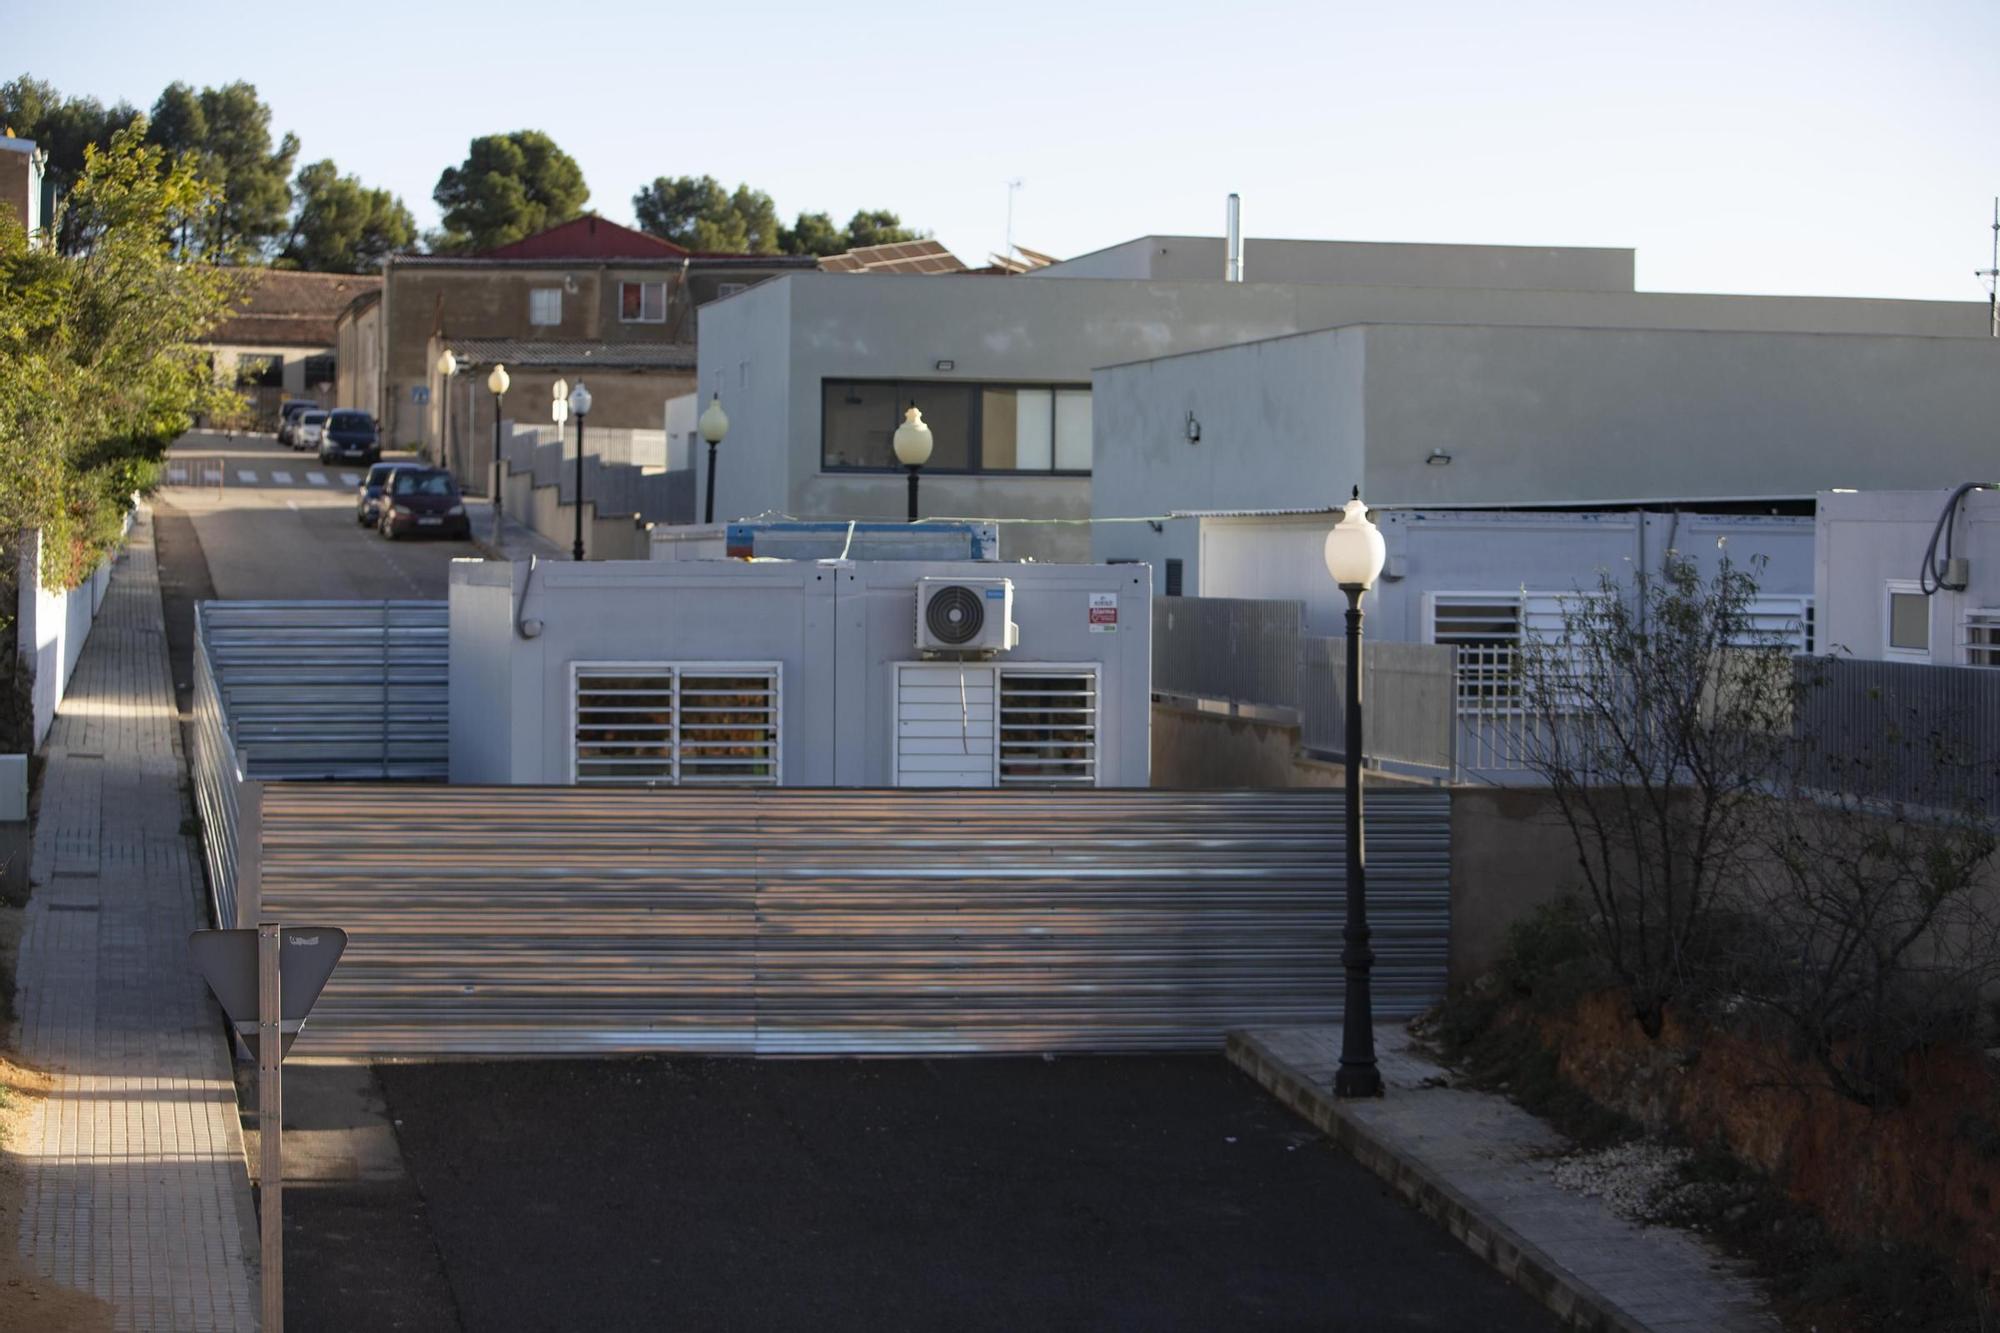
pixel 1911 576
pixel 800 673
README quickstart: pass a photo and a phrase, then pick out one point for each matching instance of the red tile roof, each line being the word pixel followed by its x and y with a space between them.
pixel 587 237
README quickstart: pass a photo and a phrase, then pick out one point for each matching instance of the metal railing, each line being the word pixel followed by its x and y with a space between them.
pixel 1254 653
pixel 325 690
pixel 191 471
pixel 217 772
pixel 536 920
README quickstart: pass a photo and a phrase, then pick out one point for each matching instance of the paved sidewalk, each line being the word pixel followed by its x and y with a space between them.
pixel 1484 1168
pixel 135 1183
pixel 517 540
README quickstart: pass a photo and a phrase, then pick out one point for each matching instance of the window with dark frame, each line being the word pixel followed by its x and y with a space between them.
pixel 1010 429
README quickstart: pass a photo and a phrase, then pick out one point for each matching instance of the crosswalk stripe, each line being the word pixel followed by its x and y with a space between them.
pixel 350 478
pixel 282 478
pixel 316 478
pixel 246 476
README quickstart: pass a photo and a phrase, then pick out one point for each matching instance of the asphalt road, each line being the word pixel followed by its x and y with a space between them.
pixel 1133 1193
pixel 292 538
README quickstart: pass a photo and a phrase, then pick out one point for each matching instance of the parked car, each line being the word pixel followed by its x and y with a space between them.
pixel 305 435
pixel 349 436
pixel 368 496
pixel 423 501
pixel 288 418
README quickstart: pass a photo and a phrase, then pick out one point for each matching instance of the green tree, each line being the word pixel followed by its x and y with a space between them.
pixel 812 234
pixel 698 213
pixel 99 367
pixel 509 186
pixel 343 226
pixel 878 226
pixel 227 133
pixel 61 126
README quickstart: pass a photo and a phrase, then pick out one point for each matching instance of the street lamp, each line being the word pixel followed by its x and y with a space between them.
pixel 714 425
pixel 497 383
pixel 579 405
pixel 913 450
pixel 1354 556
pixel 447 366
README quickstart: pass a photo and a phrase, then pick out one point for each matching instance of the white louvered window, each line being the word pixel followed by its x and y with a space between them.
pixel 545 306
pixel 951 731
pixel 1048 726
pixel 677 724
pixel 1774 621
pixel 1485 628
pixel 1982 637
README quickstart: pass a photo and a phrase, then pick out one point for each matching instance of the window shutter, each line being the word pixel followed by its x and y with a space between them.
pixel 1048 727
pixel 944 726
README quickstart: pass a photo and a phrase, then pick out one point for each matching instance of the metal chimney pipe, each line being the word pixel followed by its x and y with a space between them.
pixel 1233 267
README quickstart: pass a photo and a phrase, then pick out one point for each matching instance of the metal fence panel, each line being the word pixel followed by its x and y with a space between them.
pixel 332 689
pixel 1878 730
pixel 1237 649
pixel 217 784
pixel 1409 690
pixel 517 921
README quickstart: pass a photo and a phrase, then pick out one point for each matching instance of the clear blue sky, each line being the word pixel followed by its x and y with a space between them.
pixel 1762 146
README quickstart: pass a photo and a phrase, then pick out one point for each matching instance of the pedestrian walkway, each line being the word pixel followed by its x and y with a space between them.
pixel 517 541
pixel 1485 1169
pixel 224 472
pixel 135 1187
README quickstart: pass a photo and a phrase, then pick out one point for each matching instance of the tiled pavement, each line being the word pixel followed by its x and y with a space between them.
pixel 1484 1167
pixel 135 1184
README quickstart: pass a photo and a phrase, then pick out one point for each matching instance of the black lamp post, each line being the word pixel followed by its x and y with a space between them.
pixel 579 406
pixel 913 449
pixel 714 425
pixel 1354 556
pixel 497 382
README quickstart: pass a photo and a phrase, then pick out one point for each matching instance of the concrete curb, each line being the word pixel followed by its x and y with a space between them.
pixel 1575 1302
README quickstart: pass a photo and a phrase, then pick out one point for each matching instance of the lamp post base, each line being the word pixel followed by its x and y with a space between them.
pixel 1357 1081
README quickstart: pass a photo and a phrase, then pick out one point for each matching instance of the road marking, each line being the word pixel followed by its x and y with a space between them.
pixel 246 476
pixel 281 478
pixel 350 479
pixel 316 478
pixel 176 473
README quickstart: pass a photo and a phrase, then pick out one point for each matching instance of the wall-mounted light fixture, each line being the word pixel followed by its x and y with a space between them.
pixel 1439 458
pixel 947 365
pixel 1193 428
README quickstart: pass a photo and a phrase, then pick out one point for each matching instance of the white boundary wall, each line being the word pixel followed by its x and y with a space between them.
pixel 53 627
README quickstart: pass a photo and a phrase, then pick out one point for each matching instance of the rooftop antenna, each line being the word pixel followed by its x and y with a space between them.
pixel 1015 185
pixel 1992 276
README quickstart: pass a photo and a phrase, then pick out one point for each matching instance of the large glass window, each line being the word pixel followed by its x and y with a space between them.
pixel 974 427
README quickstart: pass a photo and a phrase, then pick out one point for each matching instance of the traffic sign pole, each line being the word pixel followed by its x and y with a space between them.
pixel 270 1123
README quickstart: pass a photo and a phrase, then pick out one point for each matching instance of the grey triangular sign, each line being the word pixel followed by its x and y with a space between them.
pixel 228 961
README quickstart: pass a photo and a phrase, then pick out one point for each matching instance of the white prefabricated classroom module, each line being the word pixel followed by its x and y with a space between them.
pixel 801 673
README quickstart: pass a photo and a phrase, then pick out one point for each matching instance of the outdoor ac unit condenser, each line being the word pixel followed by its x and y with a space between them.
pixel 970 616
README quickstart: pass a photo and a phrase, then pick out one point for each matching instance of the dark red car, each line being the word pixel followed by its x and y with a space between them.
pixel 423 502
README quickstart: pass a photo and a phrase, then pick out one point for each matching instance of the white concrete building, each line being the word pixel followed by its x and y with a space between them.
pixel 1878 597
pixel 1484 415
pixel 800 673
pixel 815 369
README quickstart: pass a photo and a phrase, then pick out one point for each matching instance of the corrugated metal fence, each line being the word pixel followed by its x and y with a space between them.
pixel 218 781
pixel 1254 652
pixel 1907 732
pixel 331 689
pixel 519 920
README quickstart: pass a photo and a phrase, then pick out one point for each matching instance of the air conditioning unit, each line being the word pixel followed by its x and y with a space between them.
pixel 969 616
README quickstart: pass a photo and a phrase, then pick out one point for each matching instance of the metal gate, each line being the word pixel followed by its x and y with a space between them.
pixel 524 920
